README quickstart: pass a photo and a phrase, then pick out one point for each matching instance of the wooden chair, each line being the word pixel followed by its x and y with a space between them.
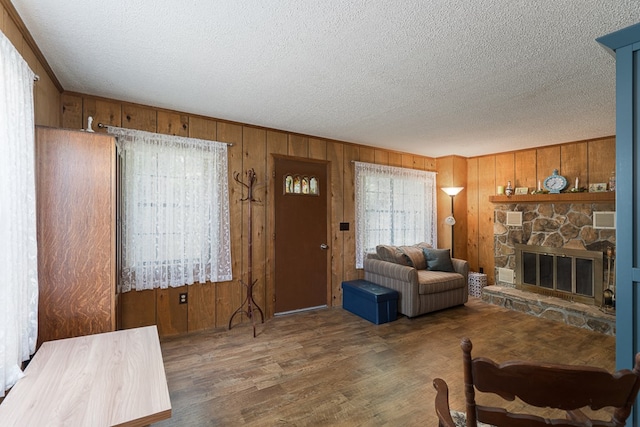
pixel 543 385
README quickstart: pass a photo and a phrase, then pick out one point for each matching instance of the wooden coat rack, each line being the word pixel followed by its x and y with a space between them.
pixel 249 302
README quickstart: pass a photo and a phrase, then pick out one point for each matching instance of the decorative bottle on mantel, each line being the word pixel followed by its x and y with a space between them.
pixel 509 189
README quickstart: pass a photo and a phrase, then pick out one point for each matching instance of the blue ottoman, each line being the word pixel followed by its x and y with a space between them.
pixel 373 302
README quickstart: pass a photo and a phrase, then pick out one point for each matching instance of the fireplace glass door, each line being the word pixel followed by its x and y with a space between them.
pixel 566 273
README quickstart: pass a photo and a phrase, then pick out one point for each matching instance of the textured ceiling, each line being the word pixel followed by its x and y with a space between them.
pixel 434 77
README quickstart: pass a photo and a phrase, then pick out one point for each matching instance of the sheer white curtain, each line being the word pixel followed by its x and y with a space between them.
pixel 394 206
pixel 18 256
pixel 175 210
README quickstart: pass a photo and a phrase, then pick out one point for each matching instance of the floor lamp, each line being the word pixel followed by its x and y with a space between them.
pixel 450 220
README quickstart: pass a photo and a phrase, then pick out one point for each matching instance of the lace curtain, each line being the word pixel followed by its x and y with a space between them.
pixel 18 257
pixel 175 210
pixel 394 206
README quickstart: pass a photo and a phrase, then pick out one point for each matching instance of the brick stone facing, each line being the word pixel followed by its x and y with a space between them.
pixel 558 225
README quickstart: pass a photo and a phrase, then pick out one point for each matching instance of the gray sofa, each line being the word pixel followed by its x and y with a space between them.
pixel 422 290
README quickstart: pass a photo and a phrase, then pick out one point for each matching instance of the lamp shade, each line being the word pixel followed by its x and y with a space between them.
pixel 452 191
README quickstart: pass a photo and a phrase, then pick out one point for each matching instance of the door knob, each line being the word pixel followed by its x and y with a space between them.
pixel 324 246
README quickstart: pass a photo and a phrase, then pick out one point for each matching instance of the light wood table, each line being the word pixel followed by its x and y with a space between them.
pixel 111 379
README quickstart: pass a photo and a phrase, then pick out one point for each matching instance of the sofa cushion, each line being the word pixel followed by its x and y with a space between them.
pixel 391 254
pixel 422 245
pixel 432 282
pixel 438 259
pixel 414 257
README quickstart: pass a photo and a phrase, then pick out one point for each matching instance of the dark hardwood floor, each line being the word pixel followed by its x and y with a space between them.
pixel 330 367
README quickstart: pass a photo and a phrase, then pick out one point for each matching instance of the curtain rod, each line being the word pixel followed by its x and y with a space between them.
pixel 36 77
pixel 230 144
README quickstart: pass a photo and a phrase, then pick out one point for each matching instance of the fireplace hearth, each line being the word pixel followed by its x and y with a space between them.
pixel 551 308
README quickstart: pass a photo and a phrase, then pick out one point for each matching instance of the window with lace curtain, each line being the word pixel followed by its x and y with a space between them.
pixel 394 206
pixel 174 211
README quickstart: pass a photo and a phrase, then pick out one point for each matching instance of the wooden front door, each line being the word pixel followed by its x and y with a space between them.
pixel 301 251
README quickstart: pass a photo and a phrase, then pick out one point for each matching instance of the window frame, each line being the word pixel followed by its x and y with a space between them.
pixel 418 207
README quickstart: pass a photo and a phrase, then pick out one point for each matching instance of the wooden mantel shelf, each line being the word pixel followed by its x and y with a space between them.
pixel 608 196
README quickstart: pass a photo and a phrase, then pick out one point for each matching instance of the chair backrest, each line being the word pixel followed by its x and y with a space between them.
pixel 565 387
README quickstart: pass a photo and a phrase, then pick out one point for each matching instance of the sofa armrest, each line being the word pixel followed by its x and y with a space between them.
pixel 461 266
pixel 398 277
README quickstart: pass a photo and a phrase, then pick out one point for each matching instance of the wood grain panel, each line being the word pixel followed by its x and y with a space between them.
pixel 76 233
pixel 407 161
pixel 460 206
pixel 71 111
pixel 381 157
pixel 102 111
pixel 12 31
pixel 473 206
pixel 395 159
pixel 138 308
pixel 444 179
pixel 3 14
pixel 173 123
pixel 418 163
pixel 335 155
pixel 47 100
pixel 367 155
pixel 29 55
pixel 201 308
pixel 573 158
pixel 172 316
pixel 298 145
pixel 525 174
pixel 602 159
pixel 505 169
pixel 202 128
pixel 351 154
pixel 547 159
pixel 254 145
pixel 317 149
pixel 138 117
pixel 429 164
pixel 229 295
pixel 486 187
pixel 276 144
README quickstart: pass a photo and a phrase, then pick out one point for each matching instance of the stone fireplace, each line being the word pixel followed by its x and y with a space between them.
pixel 566 226
pixel 557 254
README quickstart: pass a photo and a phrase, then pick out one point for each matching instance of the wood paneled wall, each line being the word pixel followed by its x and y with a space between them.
pixel 211 305
pixel 47 89
pixel 452 172
pixel 591 161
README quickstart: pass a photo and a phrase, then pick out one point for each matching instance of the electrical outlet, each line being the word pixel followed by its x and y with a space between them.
pixel 183 298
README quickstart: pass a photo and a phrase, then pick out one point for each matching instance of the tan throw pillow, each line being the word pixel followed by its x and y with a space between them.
pixel 391 254
pixel 414 256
